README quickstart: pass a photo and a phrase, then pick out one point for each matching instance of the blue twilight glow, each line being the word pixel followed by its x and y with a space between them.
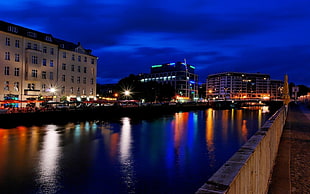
pixel 243 36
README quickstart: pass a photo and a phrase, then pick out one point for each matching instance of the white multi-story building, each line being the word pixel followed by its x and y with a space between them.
pixel 238 85
pixel 35 65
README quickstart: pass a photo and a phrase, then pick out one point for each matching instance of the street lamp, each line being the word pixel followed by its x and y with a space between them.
pixel 53 90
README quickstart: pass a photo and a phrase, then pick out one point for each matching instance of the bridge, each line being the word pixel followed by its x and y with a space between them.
pixel 274 160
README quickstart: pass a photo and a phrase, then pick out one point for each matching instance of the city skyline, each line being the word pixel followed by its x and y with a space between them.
pixel 130 37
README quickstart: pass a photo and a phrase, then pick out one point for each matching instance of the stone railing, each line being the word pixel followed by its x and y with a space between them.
pixel 250 168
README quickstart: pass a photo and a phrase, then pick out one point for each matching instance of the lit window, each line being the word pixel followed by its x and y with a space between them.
pixel 6 85
pixel 34 73
pixel 16 86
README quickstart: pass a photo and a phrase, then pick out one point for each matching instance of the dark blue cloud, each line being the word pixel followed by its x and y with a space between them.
pixel 130 36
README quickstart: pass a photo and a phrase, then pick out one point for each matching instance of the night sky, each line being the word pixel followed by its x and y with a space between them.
pixel 129 36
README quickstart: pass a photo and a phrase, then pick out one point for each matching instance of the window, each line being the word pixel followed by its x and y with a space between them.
pixel 35 46
pixel 85 69
pixel 64 55
pixel 84 80
pixel 16 71
pixel 44 87
pixel 32 86
pixel 62 45
pixel 16 57
pixel 43 74
pixel 52 51
pixel 16 86
pixel 63 89
pixel 73 57
pixel 44 62
pixel 91 91
pixel 85 59
pixel 7 56
pixel 32 34
pixel 78 80
pixel 78 90
pixel 79 58
pixel 63 78
pixel 71 90
pixel 83 91
pixel 34 73
pixel 13 29
pixel 51 76
pixel 92 81
pixel 92 61
pixel 17 43
pixel 51 63
pixel 48 38
pixel 72 67
pixel 7 42
pixel 44 49
pixel 6 70
pixel 79 69
pixel 34 59
pixel 6 85
pixel 29 45
pixel 64 66
pixel 72 79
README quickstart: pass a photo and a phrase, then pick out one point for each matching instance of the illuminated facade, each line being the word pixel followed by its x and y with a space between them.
pixel 37 65
pixel 238 86
pixel 179 75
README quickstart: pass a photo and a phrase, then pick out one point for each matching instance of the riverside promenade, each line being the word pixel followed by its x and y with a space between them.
pixel 291 173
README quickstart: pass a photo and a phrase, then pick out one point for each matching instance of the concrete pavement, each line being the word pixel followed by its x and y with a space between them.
pixel 291 173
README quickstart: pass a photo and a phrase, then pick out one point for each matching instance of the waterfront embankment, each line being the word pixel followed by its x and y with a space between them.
pixel 249 169
pixel 59 116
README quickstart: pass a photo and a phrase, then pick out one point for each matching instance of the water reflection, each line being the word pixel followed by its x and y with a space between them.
pixel 49 167
pixel 126 158
pixel 210 136
pixel 173 154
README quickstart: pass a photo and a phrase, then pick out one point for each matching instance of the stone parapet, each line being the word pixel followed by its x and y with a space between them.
pixel 250 168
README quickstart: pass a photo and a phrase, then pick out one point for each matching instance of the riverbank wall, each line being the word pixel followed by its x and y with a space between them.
pixel 101 113
pixel 250 168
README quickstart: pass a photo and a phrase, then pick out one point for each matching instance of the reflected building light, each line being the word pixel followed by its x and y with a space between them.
pixel 128 173
pixel 244 131
pixel 49 166
pixel 210 136
pixel 225 122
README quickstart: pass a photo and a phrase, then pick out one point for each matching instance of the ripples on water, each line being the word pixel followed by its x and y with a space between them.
pixel 172 154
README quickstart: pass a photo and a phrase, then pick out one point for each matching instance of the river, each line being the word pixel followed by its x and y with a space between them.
pixel 175 153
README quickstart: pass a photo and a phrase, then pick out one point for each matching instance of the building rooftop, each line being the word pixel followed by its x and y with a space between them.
pixel 36 35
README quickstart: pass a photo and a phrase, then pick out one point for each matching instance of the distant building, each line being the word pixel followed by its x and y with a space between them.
pixel 179 75
pixel 36 65
pixel 238 85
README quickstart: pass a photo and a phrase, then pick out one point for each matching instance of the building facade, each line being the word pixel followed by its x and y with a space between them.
pixel 242 86
pixel 179 75
pixel 35 65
